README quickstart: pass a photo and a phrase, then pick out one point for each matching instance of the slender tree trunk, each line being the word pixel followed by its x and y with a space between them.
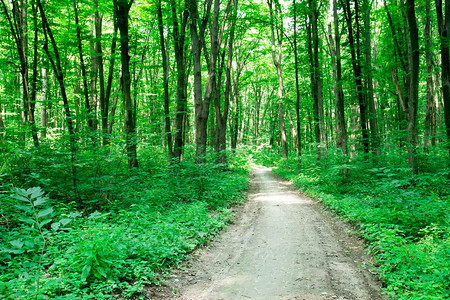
pixel 275 16
pixel 122 9
pixel 44 99
pixel 56 65
pixel 83 69
pixel 202 104
pixel 179 34
pixel 165 63
pixel 444 32
pixel 413 86
pixel 341 127
pixel 373 121
pixel 297 90
pixel 429 112
pixel 356 63
pixel 19 29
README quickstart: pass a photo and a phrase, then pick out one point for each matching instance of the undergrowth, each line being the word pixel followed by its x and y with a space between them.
pixel 117 232
pixel 404 218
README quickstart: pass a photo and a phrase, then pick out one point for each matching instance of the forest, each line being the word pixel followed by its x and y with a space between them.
pixel 129 128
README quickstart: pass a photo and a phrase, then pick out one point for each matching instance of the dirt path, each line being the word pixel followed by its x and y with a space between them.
pixel 281 246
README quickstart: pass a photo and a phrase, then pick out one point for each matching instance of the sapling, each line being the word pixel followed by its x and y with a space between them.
pixel 37 215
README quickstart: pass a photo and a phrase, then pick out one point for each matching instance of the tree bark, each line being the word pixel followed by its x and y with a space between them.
pixel 202 104
pixel 297 90
pixel 356 64
pixel 429 111
pixel 341 127
pixel 373 121
pixel 19 29
pixel 277 59
pixel 122 9
pixel 83 69
pixel 413 86
pixel 444 32
pixel 165 63
pixel 179 35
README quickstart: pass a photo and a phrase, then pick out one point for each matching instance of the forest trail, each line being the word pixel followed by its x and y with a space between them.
pixel 282 245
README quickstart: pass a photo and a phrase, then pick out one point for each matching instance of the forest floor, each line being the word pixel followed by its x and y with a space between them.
pixel 281 245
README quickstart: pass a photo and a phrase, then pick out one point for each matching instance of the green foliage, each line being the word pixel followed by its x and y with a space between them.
pixel 404 218
pixel 129 227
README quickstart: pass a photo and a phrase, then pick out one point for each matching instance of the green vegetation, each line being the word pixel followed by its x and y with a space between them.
pixel 124 230
pixel 404 218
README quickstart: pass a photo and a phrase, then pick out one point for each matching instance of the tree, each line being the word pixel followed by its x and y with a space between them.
pixel 444 30
pixel 17 20
pixel 276 34
pixel 122 10
pixel 165 64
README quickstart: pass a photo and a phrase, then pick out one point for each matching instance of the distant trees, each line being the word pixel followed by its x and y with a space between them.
pixel 213 75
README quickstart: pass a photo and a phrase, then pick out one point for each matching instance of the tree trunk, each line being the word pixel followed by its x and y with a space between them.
pixel 275 17
pixel 179 34
pixel 19 30
pixel 373 121
pixel 44 99
pixel 444 32
pixel 202 104
pixel 429 112
pixel 56 65
pixel 413 86
pixel 122 9
pixel 356 64
pixel 83 69
pixel 297 90
pixel 165 63
pixel 341 127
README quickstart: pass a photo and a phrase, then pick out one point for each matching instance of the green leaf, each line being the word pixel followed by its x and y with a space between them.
pixel 64 222
pixel 21 192
pixel 27 220
pixel 39 201
pixel 21 198
pixel 17 243
pixel 85 272
pixel 55 226
pixel 23 207
pixel 35 192
pixel 97 215
pixel 45 212
pixel 43 223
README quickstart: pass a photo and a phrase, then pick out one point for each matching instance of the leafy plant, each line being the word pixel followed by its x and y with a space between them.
pixel 38 213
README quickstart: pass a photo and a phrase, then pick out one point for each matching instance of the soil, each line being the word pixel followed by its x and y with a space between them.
pixel 282 245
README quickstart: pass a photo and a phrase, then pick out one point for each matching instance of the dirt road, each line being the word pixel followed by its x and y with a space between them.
pixel 282 245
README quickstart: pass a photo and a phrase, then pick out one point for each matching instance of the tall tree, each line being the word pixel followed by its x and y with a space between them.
pixel 429 111
pixel 17 20
pixel 222 115
pixel 179 36
pixel 83 68
pixel 276 34
pixel 444 33
pixel 165 63
pixel 341 128
pixel 413 62
pixel 297 92
pixel 355 50
pixel 312 30
pixel 198 27
pixel 122 10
